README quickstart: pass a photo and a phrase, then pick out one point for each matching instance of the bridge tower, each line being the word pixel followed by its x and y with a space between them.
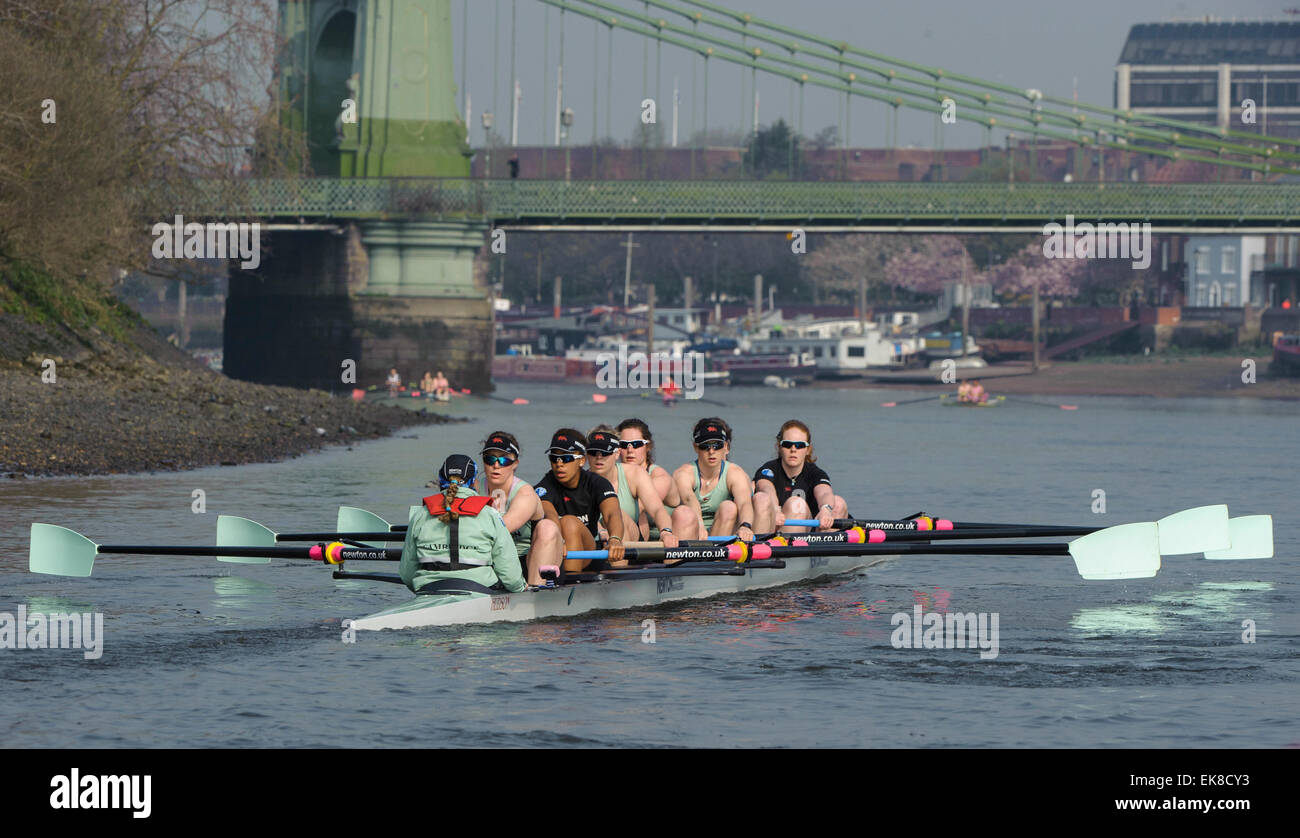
pixel 383 292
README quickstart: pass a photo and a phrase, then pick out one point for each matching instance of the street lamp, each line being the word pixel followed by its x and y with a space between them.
pixel 566 119
pixel 487 143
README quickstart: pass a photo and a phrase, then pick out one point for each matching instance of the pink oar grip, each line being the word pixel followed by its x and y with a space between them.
pixel 762 551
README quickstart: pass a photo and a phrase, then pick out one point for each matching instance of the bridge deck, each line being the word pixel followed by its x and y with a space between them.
pixel 746 203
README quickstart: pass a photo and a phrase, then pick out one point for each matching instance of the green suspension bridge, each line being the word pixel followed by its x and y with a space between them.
pixel 374 183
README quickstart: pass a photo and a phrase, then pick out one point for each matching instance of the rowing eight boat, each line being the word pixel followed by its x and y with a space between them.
pixel 609 591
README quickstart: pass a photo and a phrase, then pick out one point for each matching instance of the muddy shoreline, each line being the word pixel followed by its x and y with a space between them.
pixel 115 409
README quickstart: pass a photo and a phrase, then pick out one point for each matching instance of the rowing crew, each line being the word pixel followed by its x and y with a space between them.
pixel 505 536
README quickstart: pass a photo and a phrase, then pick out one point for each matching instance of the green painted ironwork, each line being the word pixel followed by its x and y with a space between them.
pixel 753 202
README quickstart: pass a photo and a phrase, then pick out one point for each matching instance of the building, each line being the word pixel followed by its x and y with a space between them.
pixel 1202 72
pixel 1220 270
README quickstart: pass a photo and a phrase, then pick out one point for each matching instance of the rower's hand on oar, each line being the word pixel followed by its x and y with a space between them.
pixel 669 540
pixel 745 534
pixel 616 550
pixel 825 519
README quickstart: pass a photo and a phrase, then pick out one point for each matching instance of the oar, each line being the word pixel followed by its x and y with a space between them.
pixel 1042 404
pixel 1127 551
pixel 913 401
pixel 242 532
pixel 63 552
pixel 465 391
pixel 1204 528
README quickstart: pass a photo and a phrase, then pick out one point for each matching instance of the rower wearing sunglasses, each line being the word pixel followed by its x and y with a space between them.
pixel 638 451
pixel 537 540
pixel 715 490
pixel 576 501
pixel 635 490
pixel 793 483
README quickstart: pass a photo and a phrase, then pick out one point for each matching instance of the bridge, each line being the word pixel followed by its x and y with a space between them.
pixel 758 206
pixel 371 260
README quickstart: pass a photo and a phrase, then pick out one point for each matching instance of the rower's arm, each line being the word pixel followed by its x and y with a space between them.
pixel 612 515
pixel 505 558
pixel 665 487
pixel 548 511
pixel 521 510
pixel 686 492
pixel 648 497
pixel 742 490
pixel 824 495
pixel 410 562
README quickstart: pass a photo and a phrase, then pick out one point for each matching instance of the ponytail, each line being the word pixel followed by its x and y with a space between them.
pixel 449 495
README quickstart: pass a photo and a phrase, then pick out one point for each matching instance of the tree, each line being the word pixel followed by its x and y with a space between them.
pixel 1058 278
pixel 930 264
pixel 835 264
pixel 771 150
pixel 827 137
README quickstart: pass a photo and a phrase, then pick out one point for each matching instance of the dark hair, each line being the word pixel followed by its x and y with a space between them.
pixel 633 422
pixel 795 423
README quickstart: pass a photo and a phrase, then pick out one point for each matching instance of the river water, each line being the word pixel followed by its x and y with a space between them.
pixel 201 653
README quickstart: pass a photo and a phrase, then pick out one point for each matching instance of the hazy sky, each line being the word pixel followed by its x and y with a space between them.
pixel 1040 44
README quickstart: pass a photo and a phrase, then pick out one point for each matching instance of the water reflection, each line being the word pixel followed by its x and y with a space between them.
pixel 1218 603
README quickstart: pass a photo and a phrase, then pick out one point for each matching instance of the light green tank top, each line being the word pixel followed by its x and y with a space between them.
pixel 709 504
pixel 625 500
pixel 523 537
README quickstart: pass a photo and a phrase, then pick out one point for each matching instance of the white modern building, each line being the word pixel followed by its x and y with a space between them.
pixel 1220 268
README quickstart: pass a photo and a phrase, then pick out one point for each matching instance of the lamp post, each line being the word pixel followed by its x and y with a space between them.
pixel 566 119
pixel 487 144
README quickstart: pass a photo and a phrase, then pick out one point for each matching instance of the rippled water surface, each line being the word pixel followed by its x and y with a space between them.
pixel 200 653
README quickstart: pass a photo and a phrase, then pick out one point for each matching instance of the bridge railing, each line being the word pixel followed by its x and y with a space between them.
pixel 749 201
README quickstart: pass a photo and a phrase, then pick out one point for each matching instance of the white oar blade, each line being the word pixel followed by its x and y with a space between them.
pixel 60 551
pixel 1129 551
pixel 1252 538
pixel 352 519
pixel 233 531
pixel 1195 531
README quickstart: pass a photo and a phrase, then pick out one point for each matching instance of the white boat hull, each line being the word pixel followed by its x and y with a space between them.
pixel 571 600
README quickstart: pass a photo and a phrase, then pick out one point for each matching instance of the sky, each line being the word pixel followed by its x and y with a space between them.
pixel 1043 44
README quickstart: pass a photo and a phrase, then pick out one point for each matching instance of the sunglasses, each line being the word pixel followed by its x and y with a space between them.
pixel 592 452
pixel 711 446
pixel 634 443
pixel 796 444
pixel 497 461
pixel 563 458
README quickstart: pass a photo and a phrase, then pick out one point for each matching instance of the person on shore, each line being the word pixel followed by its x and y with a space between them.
pixel 578 501
pixel 441 387
pixel 719 496
pixel 456 541
pixel 514 166
pixel 637 496
pixel 394 383
pixel 793 484
pixel 537 539
pixel 637 451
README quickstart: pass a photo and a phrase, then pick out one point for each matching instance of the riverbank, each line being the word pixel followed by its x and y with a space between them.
pixel 1159 376
pixel 118 406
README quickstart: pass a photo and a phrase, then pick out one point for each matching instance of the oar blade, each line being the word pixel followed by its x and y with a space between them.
pixel 1252 538
pixel 233 531
pixel 1128 551
pixel 352 519
pixel 1195 531
pixel 60 552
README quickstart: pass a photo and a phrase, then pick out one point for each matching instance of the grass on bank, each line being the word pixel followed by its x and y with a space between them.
pixel 78 303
